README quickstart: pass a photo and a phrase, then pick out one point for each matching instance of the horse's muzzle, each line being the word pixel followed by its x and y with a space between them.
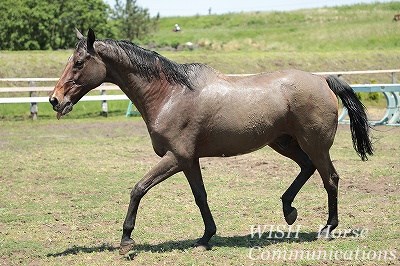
pixel 53 101
pixel 61 108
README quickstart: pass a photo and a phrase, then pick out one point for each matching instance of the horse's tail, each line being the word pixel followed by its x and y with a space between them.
pixel 358 118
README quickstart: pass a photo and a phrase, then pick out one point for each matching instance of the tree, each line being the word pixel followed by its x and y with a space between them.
pixel 42 24
pixel 83 14
pixel 134 21
pixel 24 24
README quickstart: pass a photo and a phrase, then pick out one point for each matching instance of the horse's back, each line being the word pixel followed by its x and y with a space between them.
pixel 302 95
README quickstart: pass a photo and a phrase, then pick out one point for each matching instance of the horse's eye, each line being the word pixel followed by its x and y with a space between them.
pixel 78 64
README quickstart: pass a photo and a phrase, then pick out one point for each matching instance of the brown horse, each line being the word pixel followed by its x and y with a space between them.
pixel 193 111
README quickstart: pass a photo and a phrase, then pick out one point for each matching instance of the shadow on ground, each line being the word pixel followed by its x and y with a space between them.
pixel 245 241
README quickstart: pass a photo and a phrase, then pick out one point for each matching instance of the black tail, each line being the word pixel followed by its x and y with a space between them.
pixel 358 118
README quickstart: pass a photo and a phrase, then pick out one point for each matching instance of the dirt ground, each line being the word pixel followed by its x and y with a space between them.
pixel 64 189
pixel 249 164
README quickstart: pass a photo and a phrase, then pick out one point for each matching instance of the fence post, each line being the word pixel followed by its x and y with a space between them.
pixel 34 106
pixel 104 105
pixel 394 77
pixel 395 120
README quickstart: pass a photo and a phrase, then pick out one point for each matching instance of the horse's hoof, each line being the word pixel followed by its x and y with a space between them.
pixel 291 216
pixel 325 234
pixel 126 246
pixel 201 247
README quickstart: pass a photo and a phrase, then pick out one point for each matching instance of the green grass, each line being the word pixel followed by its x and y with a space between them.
pixel 32 63
pixel 64 190
pixel 345 28
pixel 225 62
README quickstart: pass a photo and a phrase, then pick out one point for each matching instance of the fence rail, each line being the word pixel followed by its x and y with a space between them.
pixel 390 91
pixel 46 99
pixel 48 89
pixel 34 99
pixel 393 72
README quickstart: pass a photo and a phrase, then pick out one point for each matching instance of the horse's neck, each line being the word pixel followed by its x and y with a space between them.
pixel 149 97
pixel 146 95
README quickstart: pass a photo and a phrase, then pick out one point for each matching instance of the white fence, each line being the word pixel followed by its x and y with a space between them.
pixel 33 99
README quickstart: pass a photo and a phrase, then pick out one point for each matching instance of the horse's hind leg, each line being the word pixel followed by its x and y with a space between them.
pixel 330 179
pixel 288 146
pixel 193 175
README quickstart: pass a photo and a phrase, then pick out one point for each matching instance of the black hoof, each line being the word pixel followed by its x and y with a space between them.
pixel 126 246
pixel 290 215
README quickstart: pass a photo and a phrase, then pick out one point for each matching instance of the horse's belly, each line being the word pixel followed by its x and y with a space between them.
pixel 231 141
pixel 238 121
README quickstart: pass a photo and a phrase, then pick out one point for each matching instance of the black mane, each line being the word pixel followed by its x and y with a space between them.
pixel 150 64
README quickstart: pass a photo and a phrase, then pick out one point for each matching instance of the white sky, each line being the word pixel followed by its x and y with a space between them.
pixel 190 7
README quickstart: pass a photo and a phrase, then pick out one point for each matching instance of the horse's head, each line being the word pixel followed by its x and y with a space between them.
pixel 84 71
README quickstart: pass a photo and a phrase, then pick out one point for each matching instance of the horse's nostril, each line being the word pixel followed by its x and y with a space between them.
pixel 53 101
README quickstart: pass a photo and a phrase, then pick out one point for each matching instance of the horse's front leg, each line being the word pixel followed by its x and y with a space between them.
pixel 193 175
pixel 167 166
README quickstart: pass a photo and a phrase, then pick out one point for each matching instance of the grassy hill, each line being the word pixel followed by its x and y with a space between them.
pixel 361 26
pixel 360 36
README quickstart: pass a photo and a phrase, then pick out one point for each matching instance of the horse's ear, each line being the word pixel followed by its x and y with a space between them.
pixel 78 34
pixel 90 40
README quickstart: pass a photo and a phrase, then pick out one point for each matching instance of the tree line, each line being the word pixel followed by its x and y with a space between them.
pixel 43 24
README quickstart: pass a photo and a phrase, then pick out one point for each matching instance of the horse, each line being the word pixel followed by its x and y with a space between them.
pixel 193 111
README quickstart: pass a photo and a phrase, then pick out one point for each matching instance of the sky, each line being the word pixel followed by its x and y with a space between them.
pixel 201 7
